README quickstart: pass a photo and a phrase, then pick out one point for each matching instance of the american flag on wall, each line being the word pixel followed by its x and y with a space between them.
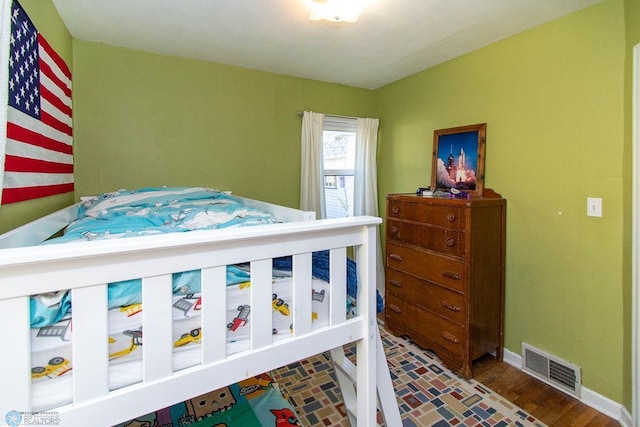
pixel 38 150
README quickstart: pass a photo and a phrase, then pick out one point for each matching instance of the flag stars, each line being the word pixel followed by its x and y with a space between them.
pixel 24 71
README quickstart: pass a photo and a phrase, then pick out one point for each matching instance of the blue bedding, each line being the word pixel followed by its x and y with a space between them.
pixel 48 309
pixel 147 211
pixel 125 213
pixel 320 270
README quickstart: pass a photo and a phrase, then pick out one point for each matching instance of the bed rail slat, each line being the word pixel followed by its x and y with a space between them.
pixel 261 291
pixel 16 356
pixel 157 357
pixel 302 306
pixel 214 306
pixel 90 343
pixel 338 284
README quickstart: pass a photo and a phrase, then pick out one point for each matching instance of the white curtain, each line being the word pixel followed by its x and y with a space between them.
pixel 311 167
pixel 366 183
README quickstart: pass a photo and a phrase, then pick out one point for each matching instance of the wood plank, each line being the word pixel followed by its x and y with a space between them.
pixel 547 404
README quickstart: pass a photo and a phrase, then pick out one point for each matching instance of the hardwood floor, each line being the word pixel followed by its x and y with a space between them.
pixel 544 402
pixel 547 404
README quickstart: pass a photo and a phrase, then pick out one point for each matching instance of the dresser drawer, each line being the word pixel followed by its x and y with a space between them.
pixel 429 266
pixel 442 301
pixel 451 217
pixel 450 242
pixel 448 335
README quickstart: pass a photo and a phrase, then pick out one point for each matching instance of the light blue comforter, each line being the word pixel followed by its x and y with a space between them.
pixel 148 211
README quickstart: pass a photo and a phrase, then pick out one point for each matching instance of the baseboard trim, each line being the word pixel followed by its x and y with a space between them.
pixel 589 397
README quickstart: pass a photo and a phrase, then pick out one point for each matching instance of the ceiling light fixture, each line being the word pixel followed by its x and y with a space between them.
pixel 336 10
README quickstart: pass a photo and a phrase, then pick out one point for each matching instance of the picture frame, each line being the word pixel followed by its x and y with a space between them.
pixel 458 159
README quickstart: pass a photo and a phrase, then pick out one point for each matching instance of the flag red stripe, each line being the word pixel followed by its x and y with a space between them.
pixel 13 195
pixel 53 55
pixel 30 137
pixel 33 173
pixel 25 164
pixel 51 121
pixel 55 101
pixel 47 71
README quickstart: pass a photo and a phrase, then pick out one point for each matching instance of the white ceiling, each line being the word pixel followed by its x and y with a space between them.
pixel 393 38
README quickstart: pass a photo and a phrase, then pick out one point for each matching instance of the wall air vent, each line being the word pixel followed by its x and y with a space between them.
pixel 552 370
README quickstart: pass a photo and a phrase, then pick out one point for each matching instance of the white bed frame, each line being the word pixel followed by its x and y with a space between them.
pixel 87 267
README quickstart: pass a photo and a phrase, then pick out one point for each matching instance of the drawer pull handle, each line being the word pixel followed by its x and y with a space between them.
pixel 395 257
pixel 450 306
pixel 395 308
pixel 451 217
pixel 396 283
pixel 395 209
pixel 394 230
pixel 451 275
pixel 451 241
pixel 450 337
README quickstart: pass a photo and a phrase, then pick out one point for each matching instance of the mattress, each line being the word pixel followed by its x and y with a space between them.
pixel 52 360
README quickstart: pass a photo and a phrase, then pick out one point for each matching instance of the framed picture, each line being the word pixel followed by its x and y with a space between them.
pixel 458 159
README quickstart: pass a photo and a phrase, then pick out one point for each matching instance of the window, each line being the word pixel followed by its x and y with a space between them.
pixel 339 157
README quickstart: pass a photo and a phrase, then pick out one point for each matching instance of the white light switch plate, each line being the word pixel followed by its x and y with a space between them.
pixel 594 206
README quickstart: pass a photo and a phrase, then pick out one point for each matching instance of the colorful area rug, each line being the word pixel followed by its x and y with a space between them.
pixel 428 394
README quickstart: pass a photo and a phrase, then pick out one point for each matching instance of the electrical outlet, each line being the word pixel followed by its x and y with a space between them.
pixel 594 206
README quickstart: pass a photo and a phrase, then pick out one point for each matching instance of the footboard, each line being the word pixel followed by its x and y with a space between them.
pixel 87 267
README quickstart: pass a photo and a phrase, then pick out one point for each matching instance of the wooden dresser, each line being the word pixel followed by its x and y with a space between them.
pixel 445 261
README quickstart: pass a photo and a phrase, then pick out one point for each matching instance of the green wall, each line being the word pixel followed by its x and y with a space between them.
pixel 149 120
pixel 46 19
pixel 552 98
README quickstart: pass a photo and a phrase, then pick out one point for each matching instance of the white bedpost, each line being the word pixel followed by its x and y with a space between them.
pixel 370 352
pixel 16 358
pixel 366 348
